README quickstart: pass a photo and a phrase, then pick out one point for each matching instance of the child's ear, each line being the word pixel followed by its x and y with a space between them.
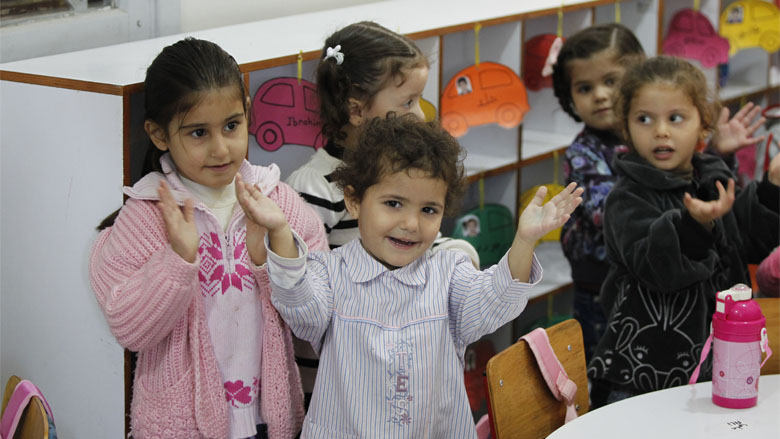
pixel 351 202
pixel 157 134
pixel 355 112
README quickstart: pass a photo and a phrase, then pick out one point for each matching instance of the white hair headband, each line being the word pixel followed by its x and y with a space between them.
pixel 335 53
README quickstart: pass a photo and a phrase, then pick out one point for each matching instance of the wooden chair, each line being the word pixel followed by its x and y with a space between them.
pixel 770 307
pixel 521 404
pixel 33 424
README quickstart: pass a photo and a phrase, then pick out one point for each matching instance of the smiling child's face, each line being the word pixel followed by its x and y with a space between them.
pixel 665 126
pixel 399 217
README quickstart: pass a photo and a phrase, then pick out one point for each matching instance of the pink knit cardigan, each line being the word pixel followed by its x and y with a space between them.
pixel 151 300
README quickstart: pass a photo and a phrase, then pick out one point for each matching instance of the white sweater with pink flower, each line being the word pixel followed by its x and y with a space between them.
pixel 200 376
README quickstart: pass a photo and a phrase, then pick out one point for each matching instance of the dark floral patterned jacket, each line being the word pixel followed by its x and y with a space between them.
pixel 589 163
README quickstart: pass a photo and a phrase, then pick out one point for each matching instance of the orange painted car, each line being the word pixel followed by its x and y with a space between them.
pixel 483 94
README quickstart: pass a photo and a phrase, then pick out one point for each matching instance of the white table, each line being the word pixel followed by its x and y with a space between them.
pixel 681 412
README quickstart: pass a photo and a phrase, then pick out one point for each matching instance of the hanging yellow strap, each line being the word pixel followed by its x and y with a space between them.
pixel 696 5
pixel 557 165
pixel 482 192
pixel 300 66
pixel 477 28
pixel 559 33
pixel 617 12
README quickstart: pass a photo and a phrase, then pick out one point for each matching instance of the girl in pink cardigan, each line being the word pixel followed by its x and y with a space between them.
pixel 180 275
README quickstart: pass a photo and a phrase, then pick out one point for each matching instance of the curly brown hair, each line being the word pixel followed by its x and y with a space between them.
pixel 667 70
pixel 403 143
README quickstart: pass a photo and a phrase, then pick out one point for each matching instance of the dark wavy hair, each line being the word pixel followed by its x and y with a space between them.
pixel 401 144
pixel 174 84
pixel 672 71
pixel 583 45
pixel 373 56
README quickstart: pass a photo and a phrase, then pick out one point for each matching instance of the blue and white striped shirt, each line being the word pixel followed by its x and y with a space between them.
pixel 392 341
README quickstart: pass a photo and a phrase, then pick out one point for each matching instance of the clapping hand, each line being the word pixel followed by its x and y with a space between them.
pixel 179 224
pixel 705 212
pixel 262 215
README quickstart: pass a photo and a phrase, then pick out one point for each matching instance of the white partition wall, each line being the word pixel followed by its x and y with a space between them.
pixel 61 174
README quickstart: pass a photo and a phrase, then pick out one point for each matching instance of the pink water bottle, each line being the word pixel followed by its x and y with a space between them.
pixel 739 337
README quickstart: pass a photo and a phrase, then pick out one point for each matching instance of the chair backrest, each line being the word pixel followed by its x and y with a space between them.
pixel 521 404
pixel 770 307
pixel 33 424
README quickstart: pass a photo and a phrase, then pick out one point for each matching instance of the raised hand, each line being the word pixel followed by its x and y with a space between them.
pixel 179 223
pixel 734 134
pixel 539 217
pixel 705 212
pixel 263 215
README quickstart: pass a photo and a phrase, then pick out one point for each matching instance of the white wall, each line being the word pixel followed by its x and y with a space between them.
pixel 53 332
pixel 136 20
pixel 203 14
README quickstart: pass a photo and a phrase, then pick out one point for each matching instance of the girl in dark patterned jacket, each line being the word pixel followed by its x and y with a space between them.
pixel 676 232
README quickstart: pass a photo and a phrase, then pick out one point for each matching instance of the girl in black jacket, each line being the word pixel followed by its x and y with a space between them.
pixel 676 232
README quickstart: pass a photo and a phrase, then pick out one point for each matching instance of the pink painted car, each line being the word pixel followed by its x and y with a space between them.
pixel 692 36
pixel 284 111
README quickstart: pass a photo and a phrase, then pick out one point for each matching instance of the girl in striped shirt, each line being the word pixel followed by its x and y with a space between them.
pixel 390 318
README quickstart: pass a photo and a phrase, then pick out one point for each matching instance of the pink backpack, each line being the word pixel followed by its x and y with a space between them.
pixel 20 399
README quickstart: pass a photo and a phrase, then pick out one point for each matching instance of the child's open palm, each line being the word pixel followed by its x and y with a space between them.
pixel 179 223
pixel 705 212
pixel 539 218
pixel 737 133
pixel 262 214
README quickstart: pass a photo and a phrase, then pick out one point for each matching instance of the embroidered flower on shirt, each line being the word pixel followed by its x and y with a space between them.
pixel 237 391
pixel 215 273
pixel 237 394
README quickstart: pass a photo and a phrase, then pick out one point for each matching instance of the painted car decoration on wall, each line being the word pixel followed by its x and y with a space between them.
pixel 751 23
pixel 483 94
pixel 284 112
pixel 692 36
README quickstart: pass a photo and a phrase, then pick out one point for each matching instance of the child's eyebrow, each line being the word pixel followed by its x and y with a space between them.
pixel 200 124
pixel 405 200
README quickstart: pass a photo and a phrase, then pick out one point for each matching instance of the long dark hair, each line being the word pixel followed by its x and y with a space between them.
pixel 173 85
pixel 373 56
